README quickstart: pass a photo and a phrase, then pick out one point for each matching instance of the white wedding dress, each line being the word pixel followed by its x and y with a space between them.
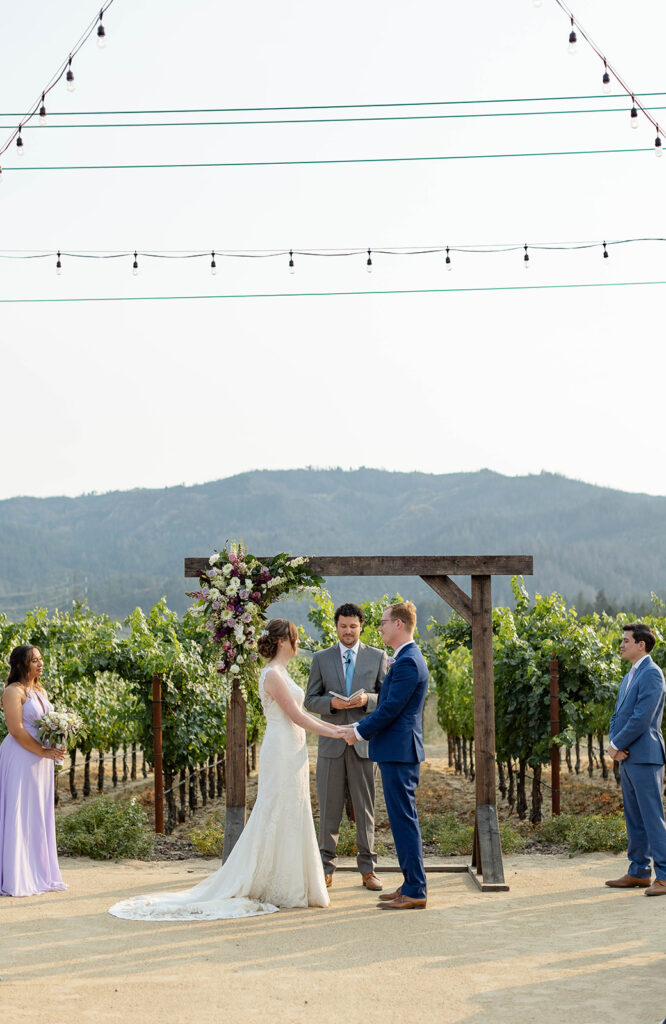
pixel 276 861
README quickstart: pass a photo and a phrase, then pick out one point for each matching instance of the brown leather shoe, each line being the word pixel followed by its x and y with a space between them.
pixel 628 882
pixel 658 888
pixel 385 896
pixel 329 881
pixel 403 903
pixel 370 881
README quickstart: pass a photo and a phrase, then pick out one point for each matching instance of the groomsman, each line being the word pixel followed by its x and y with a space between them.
pixel 343 669
pixel 636 741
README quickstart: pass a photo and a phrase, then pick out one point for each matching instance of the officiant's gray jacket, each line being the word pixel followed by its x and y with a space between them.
pixel 326 676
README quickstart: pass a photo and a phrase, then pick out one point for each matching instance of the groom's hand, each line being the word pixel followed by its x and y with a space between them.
pixel 350 736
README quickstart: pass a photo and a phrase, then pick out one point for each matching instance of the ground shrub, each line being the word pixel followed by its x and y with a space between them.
pixel 511 839
pixel 347 841
pixel 554 830
pixel 447 832
pixel 598 832
pixel 209 839
pixel 106 829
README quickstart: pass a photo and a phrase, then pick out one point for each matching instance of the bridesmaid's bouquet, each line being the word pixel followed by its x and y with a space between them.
pixel 60 729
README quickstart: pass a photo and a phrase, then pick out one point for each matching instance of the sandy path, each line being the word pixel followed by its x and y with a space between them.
pixel 558 947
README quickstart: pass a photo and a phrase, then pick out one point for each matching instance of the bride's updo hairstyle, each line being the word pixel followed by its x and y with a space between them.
pixel 276 630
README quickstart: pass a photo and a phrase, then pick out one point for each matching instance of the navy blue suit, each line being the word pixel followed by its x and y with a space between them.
pixel 636 726
pixel 395 732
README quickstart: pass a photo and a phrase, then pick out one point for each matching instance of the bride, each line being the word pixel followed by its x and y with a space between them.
pixel 276 861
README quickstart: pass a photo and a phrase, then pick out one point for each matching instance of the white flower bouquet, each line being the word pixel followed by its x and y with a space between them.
pixel 60 729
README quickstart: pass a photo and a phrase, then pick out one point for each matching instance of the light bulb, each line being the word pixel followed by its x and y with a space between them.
pixel 101 34
pixel 368 263
pixel 292 268
pixel 605 252
pixel 69 77
pixel 19 143
pixel 135 266
pixel 526 259
pixel 634 117
pixel 58 266
pixel 213 265
pixel 573 43
pixel 606 83
pixel 42 112
pixel 658 149
pixel 447 261
pixel 537 3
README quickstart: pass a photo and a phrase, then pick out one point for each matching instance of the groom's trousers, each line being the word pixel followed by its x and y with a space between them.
pixel 359 774
pixel 399 780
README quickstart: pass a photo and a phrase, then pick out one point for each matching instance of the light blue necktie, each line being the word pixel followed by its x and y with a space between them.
pixel 349 671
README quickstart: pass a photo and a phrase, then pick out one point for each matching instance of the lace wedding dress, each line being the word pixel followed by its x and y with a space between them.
pixel 276 861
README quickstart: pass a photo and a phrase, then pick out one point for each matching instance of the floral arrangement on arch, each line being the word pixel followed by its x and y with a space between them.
pixel 235 592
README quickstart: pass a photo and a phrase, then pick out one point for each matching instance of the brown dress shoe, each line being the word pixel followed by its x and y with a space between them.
pixel 385 896
pixel 658 888
pixel 628 882
pixel 370 881
pixel 329 881
pixel 402 902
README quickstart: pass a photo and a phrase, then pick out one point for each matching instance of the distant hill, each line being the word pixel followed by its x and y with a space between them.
pixel 126 547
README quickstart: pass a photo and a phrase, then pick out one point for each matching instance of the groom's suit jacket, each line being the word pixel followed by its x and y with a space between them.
pixel 395 729
pixel 636 722
pixel 326 677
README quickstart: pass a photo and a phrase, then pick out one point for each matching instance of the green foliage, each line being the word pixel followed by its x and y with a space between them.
pixel 556 829
pixel 106 830
pixel 451 835
pixel 209 839
pixel 322 617
pixel 347 841
pixel 598 832
pixel 511 839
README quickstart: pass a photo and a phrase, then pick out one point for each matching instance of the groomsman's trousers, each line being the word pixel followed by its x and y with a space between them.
pixel 359 773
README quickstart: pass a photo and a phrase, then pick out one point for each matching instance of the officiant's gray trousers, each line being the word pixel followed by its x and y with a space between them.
pixel 360 774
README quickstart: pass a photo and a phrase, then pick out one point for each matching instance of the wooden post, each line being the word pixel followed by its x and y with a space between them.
pixel 157 754
pixel 235 770
pixel 554 730
pixel 487 856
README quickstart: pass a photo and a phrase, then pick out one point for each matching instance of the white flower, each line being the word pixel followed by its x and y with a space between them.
pixel 213 559
pixel 234 670
pixel 226 570
pixel 240 659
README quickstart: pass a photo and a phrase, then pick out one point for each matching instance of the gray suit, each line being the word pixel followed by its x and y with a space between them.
pixel 337 762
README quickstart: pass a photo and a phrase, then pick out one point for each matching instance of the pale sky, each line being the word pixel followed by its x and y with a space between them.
pixel 115 395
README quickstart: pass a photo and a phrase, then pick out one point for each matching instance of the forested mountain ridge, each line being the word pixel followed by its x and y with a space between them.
pixel 126 548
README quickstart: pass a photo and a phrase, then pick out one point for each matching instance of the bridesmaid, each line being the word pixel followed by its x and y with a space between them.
pixel 28 855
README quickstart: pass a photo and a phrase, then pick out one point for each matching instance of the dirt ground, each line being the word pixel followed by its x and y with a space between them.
pixel 558 946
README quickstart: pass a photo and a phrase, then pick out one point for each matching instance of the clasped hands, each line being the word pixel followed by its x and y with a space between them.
pixel 346 732
pixel 618 755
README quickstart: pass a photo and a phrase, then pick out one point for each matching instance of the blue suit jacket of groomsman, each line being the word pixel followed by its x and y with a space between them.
pixel 395 729
pixel 636 722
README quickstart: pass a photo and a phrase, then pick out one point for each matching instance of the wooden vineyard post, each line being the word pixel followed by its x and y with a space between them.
pixel 487 857
pixel 157 754
pixel 554 730
pixel 235 770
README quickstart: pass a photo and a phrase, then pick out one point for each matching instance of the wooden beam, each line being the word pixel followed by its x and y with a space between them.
pixel 452 594
pixel 484 690
pixel 404 565
pixel 235 770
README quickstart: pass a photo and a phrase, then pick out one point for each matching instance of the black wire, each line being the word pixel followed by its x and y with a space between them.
pixel 53 81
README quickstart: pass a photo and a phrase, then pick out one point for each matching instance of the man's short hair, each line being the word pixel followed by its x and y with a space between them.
pixel 349 610
pixel 406 612
pixel 641 632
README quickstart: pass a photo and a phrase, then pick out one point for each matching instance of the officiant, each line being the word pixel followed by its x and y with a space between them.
pixel 343 687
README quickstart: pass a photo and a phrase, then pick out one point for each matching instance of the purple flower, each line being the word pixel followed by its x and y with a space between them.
pixel 212 573
pixel 246 617
pixel 256 597
pixel 205 592
pixel 244 594
pixel 253 656
pixel 215 605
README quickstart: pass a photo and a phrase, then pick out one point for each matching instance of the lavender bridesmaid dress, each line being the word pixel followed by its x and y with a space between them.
pixel 28 855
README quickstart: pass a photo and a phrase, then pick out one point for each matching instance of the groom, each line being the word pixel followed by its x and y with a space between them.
pixel 395 731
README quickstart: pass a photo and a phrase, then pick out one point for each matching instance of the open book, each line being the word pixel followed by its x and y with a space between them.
pixel 343 696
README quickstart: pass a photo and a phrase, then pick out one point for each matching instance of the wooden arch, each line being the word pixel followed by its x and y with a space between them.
pixel 436 570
